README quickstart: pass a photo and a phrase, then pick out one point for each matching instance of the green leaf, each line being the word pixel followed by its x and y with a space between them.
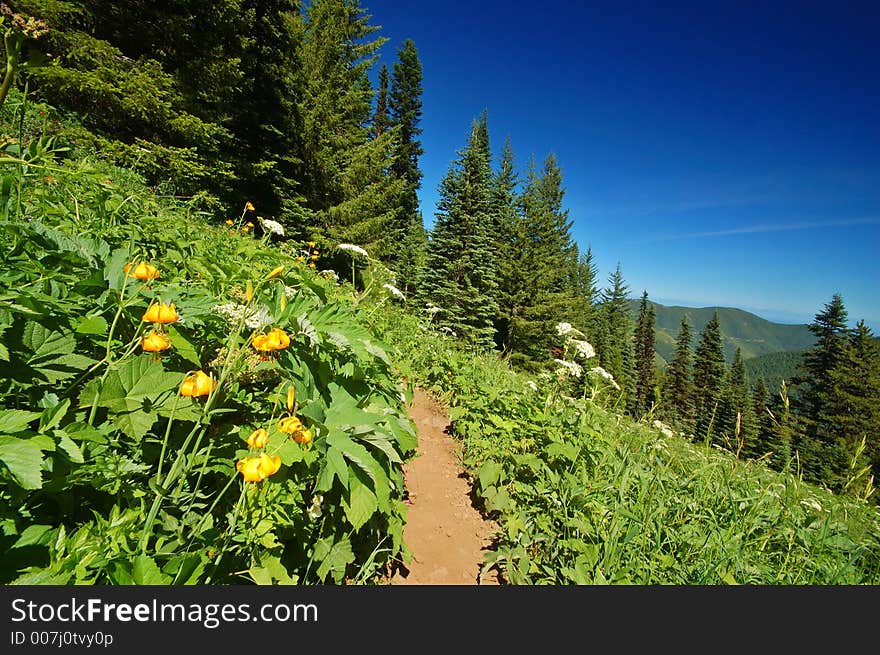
pixel 23 459
pixel 289 451
pixel 183 347
pixel 361 503
pixel 15 420
pixel 334 557
pixel 271 571
pixel 145 572
pixel 68 446
pixel 489 473
pixel 92 325
pixel 35 535
pixel 51 416
pixel 362 458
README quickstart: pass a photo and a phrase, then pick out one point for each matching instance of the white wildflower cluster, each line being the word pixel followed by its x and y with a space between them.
pixel 601 372
pixel 570 368
pixel 531 385
pixel 254 317
pixel 665 429
pixel 395 291
pixel 446 328
pixel 289 292
pixel 431 308
pixel 272 226
pixel 353 248
pixel 583 349
pixel 315 510
pixel 563 328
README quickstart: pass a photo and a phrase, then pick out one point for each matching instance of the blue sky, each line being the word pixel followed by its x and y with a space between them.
pixel 724 153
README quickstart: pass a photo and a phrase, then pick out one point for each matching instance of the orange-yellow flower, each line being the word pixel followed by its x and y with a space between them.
pixel 275 272
pixel 250 469
pixel 155 342
pixel 276 339
pixel 289 425
pixel 229 221
pixel 303 436
pixel 311 264
pixel 197 384
pixel 269 465
pixel 291 398
pixel 311 244
pixel 300 258
pixel 257 469
pixel 161 313
pixel 258 439
pixel 249 206
pixel 142 271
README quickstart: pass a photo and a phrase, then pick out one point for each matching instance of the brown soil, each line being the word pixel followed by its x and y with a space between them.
pixel 445 532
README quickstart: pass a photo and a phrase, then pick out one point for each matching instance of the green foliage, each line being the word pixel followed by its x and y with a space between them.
pixel 459 277
pixel 708 379
pixel 644 358
pixel 678 387
pixel 108 474
pixel 584 496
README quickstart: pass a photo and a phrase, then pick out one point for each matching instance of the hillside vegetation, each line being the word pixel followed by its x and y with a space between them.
pixel 754 335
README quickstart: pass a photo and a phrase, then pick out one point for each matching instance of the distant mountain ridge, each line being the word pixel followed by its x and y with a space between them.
pixel 741 329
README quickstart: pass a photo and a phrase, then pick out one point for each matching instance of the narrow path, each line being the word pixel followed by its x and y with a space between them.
pixel 445 533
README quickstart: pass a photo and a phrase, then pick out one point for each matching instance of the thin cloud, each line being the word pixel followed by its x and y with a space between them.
pixel 761 229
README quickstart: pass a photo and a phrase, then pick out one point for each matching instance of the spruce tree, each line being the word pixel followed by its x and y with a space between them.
pixel 766 439
pixel 405 112
pixel 823 458
pixel 644 358
pixel 508 241
pixel 545 252
pixel 854 409
pixel 678 389
pixel 585 293
pixel 708 378
pixel 459 273
pixel 381 117
pixel 735 422
pixel 614 338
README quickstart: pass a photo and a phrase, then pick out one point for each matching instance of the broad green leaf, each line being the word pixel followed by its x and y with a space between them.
pixel 361 503
pixel 15 420
pixel 66 444
pixel 23 459
pixel 289 451
pixel 362 458
pixel 183 347
pixel 92 325
pixel 51 416
pixel 489 473
pixel 334 557
pixel 35 535
pixel 145 572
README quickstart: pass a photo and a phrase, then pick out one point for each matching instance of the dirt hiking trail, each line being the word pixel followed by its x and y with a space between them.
pixel 446 534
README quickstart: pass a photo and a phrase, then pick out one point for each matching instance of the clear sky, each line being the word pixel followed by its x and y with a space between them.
pixel 724 153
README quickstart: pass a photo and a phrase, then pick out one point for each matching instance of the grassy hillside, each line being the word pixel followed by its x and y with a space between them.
pixel 741 329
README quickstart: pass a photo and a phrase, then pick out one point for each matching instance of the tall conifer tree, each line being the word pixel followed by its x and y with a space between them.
pixel 708 378
pixel 459 274
pixel 644 357
pixel 678 390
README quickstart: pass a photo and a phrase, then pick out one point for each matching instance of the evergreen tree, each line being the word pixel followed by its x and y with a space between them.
pixel 766 439
pixel 381 117
pixel 614 338
pixel 459 274
pixel 736 423
pixel 822 455
pixel 708 378
pixel 854 409
pixel 545 253
pixel 405 110
pixel 678 390
pixel 585 293
pixel 644 358
pixel 508 242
